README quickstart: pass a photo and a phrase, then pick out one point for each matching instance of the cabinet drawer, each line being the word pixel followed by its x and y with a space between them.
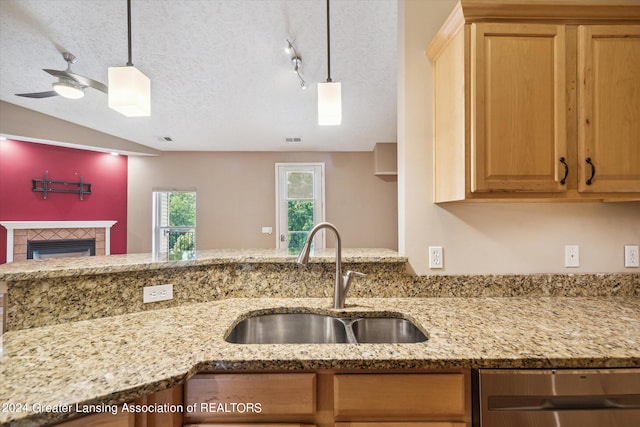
pixel 121 419
pixel 401 424
pixel 258 425
pixel 243 396
pixel 364 396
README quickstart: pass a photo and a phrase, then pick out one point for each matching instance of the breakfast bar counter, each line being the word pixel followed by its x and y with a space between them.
pixel 129 263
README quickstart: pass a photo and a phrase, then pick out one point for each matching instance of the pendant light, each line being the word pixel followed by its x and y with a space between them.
pixel 129 89
pixel 329 93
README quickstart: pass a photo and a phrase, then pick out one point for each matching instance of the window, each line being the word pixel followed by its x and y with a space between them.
pixel 174 224
pixel 299 203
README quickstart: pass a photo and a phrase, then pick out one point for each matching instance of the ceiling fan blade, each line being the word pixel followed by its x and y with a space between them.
pixel 38 94
pixel 57 73
pixel 86 81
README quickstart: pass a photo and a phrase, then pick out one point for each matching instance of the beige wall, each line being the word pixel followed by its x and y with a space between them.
pixel 236 197
pixel 486 237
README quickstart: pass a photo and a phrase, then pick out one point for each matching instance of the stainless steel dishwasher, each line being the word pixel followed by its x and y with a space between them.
pixel 559 398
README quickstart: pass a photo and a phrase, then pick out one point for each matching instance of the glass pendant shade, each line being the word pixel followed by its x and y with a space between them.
pixel 129 91
pixel 329 103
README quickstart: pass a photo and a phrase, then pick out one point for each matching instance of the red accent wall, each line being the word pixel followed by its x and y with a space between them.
pixel 21 161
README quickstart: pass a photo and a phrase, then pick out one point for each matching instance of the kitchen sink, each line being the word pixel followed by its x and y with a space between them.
pixel 386 330
pixel 312 328
pixel 288 328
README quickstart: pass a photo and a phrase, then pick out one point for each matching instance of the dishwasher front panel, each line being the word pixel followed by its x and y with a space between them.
pixel 559 398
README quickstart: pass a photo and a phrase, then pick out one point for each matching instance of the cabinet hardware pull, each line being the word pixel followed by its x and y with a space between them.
pixel 566 170
pixel 593 170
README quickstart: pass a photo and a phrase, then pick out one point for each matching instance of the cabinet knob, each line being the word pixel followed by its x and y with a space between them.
pixel 566 170
pixel 593 170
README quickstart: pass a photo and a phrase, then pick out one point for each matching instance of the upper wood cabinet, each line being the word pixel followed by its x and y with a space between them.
pixel 519 104
pixel 609 107
pixel 542 104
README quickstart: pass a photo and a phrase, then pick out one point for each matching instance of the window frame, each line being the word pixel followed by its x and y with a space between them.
pixel 319 187
pixel 156 220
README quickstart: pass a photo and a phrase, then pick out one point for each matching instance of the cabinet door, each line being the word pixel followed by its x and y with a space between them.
pixel 518 120
pixel 399 396
pixel 121 419
pixel 609 108
pixel 402 424
pixel 249 397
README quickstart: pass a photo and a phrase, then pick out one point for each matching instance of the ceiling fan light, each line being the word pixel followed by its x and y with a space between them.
pixel 129 91
pixel 68 89
pixel 329 103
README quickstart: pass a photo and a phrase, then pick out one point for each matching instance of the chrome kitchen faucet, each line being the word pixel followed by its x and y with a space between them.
pixel 342 282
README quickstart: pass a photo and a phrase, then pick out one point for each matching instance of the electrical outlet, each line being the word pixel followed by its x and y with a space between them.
pixel 436 259
pixel 572 256
pixel 157 293
pixel 631 256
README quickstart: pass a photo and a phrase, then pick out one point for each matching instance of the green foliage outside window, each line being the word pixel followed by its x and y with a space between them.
pixel 182 213
pixel 182 209
pixel 184 245
pixel 300 220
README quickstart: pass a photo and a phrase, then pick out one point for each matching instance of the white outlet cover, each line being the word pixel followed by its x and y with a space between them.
pixel 631 256
pixel 436 258
pixel 157 293
pixel 572 256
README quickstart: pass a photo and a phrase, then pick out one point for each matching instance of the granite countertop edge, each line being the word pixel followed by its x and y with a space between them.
pixel 66 267
pixel 517 332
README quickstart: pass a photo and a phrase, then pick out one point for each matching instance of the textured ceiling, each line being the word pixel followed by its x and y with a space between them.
pixel 220 78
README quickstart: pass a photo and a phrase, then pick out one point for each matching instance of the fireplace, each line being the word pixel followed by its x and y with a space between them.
pixel 43 249
pixel 22 234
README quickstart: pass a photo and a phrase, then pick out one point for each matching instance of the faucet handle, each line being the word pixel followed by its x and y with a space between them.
pixel 347 279
pixel 351 273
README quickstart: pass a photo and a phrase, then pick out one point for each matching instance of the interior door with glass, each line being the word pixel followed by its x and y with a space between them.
pixel 300 204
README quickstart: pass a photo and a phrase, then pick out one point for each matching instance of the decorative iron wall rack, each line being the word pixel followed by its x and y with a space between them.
pixel 50 186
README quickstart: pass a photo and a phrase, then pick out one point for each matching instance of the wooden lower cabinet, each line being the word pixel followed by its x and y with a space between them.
pixel 121 419
pixel 270 397
pixel 320 398
pixel 399 397
pixel 250 425
pixel 327 398
pixel 392 424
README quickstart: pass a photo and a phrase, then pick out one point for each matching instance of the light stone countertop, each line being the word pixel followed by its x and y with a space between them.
pixel 120 358
pixel 65 267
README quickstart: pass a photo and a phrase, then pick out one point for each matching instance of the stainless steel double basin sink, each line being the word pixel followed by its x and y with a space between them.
pixel 312 328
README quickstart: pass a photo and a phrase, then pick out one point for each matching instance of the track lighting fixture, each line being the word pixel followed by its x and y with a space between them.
pixel 296 60
pixel 329 93
pixel 129 89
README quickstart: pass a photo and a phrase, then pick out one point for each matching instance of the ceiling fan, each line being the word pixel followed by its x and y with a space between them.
pixel 69 84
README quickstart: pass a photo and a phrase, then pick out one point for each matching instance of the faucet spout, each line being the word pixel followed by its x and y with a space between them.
pixel 342 283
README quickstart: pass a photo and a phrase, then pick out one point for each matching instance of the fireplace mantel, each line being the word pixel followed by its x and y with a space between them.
pixel 29 225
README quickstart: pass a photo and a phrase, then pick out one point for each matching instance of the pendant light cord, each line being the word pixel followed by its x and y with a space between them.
pixel 328 47
pixel 130 63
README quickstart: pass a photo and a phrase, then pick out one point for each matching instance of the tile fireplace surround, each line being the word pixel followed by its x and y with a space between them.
pixel 19 232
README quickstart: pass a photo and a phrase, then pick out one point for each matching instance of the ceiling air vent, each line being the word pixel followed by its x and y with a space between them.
pixel 293 140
